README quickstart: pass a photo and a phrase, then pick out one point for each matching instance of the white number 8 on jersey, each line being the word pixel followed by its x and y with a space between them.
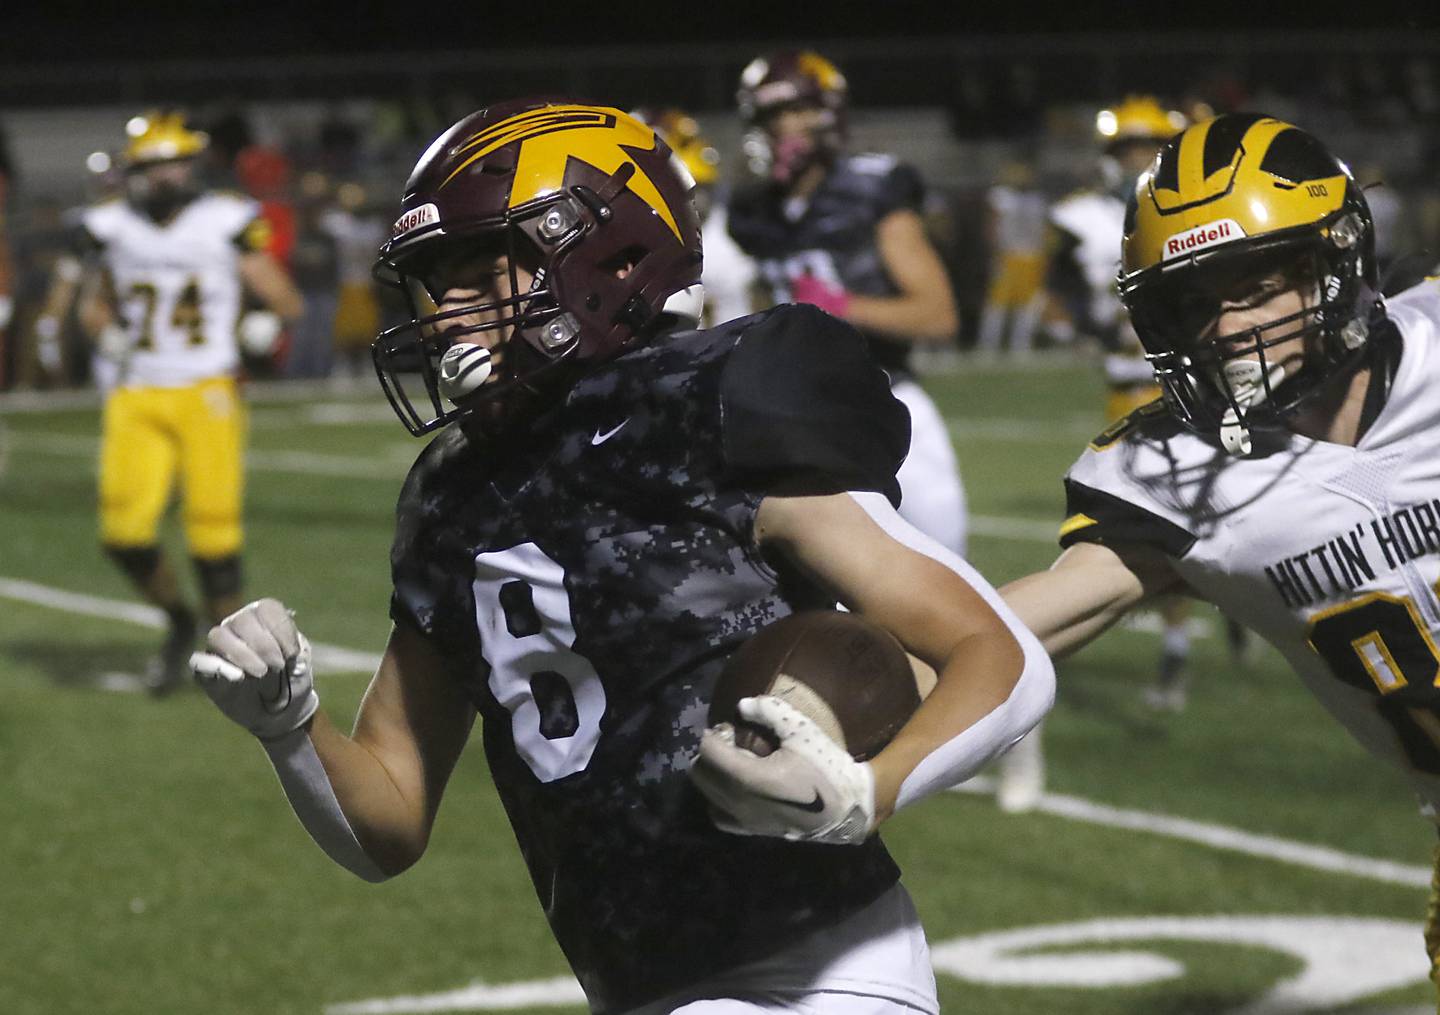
pixel 553 694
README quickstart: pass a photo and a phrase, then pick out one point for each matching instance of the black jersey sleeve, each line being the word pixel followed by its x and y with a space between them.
pixel 754 223
pixel 430 580
pixel 803 406
pixel 1094 516
pixel 901 188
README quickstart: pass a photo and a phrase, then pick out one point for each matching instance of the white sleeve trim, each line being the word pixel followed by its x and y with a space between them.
pixel 307 786
pixel 1031 697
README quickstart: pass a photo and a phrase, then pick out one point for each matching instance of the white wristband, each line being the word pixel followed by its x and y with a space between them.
pixel 307 786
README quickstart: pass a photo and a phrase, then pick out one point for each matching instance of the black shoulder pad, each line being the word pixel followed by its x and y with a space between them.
pixel 82 243
pixel 753 222
pixel 903 188
pixel 1094 516
pixel 803 405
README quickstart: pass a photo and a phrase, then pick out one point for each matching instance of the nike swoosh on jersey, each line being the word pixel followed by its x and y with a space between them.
pixel 601 438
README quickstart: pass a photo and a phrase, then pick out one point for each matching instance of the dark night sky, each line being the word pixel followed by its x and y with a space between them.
pixel 47 34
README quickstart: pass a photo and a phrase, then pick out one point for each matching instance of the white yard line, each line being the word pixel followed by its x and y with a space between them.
pixel 1222 837
pixel 389 464
pixel 560 991
pixel 331 658
pixel 393 459
pixel 255 392
pixel 328 658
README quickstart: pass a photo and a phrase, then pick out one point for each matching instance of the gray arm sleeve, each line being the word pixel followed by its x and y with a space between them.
pixel 307 786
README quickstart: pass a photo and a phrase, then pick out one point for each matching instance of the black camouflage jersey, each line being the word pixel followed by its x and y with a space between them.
pixel 589 583
pixel 833 239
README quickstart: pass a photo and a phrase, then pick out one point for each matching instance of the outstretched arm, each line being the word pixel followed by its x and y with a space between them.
pixel 368 799
pixel 1086 590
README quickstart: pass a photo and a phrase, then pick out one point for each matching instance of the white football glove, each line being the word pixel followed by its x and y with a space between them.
pixel 113 343
pixel 808 790
pixel 47 343
pixel 258 670
pixel 259 332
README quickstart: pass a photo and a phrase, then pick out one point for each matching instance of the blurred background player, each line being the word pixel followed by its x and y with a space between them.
pixel 172 263
pixel 315 267
pixel 844 232
pixel 1087 228
pixel 728 275
pixel 56 353
pixel 357 228
pixel 1015 217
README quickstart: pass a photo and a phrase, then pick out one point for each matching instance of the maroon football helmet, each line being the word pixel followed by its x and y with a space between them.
pixel 791 79
pixel 588 200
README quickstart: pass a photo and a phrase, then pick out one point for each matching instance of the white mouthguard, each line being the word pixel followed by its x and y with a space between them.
pixel 1246 382
pixel 464 367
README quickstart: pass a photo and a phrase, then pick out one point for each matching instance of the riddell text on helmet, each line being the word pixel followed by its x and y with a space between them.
pixel 1207 235
pixel 425 215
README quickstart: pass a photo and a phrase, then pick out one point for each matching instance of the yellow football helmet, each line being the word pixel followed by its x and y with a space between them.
pixel 1138 118
pixel 682 133
pixel 161 137
pixel 1236 197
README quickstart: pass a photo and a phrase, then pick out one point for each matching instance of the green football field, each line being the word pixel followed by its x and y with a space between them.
pixel 1241 856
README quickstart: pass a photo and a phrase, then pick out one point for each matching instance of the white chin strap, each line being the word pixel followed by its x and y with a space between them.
pixel 464 367
pixel 1247 384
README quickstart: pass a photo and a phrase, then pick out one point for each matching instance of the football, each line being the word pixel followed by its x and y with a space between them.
pixel 846 673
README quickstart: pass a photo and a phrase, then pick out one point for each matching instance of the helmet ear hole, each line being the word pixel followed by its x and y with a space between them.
pixel 624 261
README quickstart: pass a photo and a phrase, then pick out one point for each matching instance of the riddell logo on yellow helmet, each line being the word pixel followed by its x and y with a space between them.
pixel 1208 235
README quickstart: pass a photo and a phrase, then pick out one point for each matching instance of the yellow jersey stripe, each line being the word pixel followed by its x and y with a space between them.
pixel 1075 523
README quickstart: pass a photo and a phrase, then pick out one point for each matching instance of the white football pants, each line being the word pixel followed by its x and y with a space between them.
pixel 931 496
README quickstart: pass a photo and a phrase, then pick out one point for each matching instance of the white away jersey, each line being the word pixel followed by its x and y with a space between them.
pixel 177 285
pixel 1097 221
pixel 1331 553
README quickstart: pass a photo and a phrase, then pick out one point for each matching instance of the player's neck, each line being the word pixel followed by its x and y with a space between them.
pixel 1337 417
pixel 807 182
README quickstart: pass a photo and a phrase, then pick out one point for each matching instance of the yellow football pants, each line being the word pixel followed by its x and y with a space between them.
pixel 1018 279
pixel 151 434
